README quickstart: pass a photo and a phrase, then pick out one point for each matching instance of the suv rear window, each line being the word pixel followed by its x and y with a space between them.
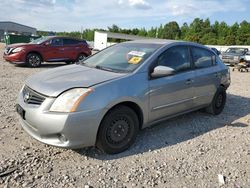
pixel 70 41
pixel 202 58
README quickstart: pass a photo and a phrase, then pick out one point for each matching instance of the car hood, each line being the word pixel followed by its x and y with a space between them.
pixel 16 45
pixel 55 81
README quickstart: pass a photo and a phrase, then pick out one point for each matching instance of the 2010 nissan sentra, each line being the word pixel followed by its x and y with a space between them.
pixel 108 98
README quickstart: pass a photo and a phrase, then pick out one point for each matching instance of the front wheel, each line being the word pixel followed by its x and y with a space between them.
pixel 118 130
pixel 218 102
pixel 33 60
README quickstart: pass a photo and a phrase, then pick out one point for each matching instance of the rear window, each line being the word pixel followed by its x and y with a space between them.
pixel 70 41
pixel 202 58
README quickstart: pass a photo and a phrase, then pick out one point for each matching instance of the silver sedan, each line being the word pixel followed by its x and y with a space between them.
pixel 108 98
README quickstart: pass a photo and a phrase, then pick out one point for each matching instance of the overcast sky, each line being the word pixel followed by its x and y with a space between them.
pixel 71 15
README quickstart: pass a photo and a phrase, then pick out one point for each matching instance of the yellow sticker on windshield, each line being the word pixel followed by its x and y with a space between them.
pixel 135 60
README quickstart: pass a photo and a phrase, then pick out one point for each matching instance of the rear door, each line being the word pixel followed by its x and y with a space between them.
pixel 71 48
pixel 172 94
pixel 207 75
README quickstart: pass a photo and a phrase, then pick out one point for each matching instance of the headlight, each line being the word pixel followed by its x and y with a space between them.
pixel 17 50
pixel 69 100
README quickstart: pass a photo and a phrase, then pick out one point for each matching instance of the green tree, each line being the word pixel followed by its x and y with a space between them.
pixel 143 32
pixel 152 32
pixel 243 36
pixel 171 31
pixel 184 31
pixel 114 28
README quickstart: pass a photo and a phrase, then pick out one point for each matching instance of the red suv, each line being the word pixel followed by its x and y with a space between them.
pixel 49 49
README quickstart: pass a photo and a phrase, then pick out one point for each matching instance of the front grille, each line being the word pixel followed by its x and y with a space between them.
pixel 32 97
pixel 7 50
pixel 227 57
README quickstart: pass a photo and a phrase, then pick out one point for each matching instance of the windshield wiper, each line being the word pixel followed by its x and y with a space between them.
pixel 104 68
pixel 111 69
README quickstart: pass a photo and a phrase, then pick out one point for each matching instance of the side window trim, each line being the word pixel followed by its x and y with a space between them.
pixel 71 42
pixel 56 45
pixel 214 63
pixel 189 57
pixel 154 62
pixel 192 66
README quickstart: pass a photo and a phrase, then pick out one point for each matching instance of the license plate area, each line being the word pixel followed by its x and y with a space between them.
pixel 20 111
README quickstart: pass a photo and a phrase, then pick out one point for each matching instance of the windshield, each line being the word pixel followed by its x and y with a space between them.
pixel 39 40
pixel 123 57
pixel 236 50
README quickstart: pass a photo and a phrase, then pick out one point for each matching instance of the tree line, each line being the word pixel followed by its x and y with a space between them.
pixel 201 31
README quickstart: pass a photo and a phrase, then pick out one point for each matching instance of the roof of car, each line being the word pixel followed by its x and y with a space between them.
pixel 154 41
pixel 65 37
pixel 167 42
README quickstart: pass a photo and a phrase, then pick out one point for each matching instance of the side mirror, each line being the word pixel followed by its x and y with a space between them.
pixel 161 71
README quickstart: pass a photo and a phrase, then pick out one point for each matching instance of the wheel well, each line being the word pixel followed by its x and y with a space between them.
pixel 134 107
pixel 35 52
pixel 222 85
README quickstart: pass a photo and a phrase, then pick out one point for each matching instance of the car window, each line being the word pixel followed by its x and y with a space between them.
pixel 70 41
pixel 56 42
pixel 176 57
pixel 236 50
pixel 202 58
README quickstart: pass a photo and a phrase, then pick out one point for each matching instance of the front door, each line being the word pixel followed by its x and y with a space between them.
pixel 54 51
pixel 172 94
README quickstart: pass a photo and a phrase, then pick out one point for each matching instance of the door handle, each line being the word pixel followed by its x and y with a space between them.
pixel 189 81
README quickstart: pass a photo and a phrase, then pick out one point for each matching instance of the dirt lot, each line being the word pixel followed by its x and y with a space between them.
pixel 188 151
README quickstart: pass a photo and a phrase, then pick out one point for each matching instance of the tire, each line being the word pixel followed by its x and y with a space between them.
pixel 81 58
pixel 118 130
pixel 218 103
pixel 33 60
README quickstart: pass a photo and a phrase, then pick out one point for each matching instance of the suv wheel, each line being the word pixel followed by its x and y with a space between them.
pixel 33 60
pixel 118 130
pixel 81 58
pixel 69 62
pixel 218 102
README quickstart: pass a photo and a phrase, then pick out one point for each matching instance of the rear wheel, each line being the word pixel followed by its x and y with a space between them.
pixel 118 130
pixel 81 58
pixel 69 62
pixel 218 102
pixel 33 60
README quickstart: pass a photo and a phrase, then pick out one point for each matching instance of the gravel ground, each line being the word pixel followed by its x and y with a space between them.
pixel 187 151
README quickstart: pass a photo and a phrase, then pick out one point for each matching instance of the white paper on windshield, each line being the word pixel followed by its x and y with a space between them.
pixel 136 53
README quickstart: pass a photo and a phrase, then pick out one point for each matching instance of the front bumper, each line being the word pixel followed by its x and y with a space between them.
pixel 17 58
pixel 67 130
